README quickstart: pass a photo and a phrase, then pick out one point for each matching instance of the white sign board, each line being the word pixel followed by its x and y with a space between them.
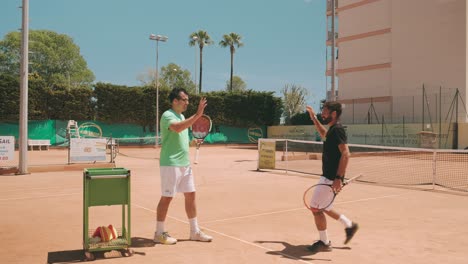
pixel 87 149
pixel 7 148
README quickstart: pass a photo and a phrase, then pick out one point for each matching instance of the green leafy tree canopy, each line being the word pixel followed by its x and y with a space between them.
pixel 53 56
pixel 293 100
pixel 238 85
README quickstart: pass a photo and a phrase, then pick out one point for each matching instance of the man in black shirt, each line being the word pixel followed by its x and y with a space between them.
pixel 334 162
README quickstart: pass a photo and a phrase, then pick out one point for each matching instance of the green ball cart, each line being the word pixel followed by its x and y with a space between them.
pixel 106 186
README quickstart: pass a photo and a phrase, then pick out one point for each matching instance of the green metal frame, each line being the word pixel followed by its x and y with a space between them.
pixel 106 186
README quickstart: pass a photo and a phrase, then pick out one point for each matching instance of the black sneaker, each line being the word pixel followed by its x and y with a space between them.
pixel 350 231
pixel 319 246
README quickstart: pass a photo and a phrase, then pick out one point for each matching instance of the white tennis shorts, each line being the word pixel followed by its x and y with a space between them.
pixel 176 179
pixel 317 196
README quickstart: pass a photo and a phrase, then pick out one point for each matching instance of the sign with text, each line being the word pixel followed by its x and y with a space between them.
pixel 7 148
pixel 87 149
pixel 266 153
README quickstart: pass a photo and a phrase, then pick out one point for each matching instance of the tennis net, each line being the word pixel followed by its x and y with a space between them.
pixel 379 164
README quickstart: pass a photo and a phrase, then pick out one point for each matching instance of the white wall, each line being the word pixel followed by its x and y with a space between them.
pixel 372 83
pixel 366 18
pixel 365 51
pixel 427 45
pixel 342 3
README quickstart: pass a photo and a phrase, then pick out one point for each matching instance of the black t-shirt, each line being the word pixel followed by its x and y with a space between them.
pixel 331 156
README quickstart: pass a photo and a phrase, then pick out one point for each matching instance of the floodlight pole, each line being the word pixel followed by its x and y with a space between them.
pixel 157 38
pixel 23 124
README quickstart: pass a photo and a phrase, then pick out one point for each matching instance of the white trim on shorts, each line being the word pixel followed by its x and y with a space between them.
pixel 316 195
pixel 176 180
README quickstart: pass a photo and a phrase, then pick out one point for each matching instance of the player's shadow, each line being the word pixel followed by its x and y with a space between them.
pixel 296 252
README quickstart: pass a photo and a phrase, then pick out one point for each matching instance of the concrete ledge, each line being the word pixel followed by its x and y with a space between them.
pixel 8 170
pixel 69 167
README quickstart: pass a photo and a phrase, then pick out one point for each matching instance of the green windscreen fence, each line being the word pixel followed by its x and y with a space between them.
pixel 56 132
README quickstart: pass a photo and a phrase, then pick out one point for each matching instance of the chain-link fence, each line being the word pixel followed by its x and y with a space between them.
pixel 436 109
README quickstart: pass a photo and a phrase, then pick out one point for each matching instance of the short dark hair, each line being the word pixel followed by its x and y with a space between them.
pixel 333 107
pixel 175 93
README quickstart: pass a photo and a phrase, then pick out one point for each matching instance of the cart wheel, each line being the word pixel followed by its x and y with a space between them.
pixel 127 252
pixel 89 256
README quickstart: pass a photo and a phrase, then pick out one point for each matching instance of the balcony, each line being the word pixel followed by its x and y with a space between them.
pixel 330 35
pixel 329 65
pixel 329 6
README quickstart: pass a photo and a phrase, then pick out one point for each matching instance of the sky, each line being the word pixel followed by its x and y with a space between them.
pixel 284 40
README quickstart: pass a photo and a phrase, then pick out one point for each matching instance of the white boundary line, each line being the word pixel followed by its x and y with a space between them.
pixel 228 236
pixel 297 209
pixel 38 197
pixel 44 188
pixel 255 215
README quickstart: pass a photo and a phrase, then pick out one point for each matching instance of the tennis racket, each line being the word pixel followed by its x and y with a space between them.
pixel 200 129
pixel 325 195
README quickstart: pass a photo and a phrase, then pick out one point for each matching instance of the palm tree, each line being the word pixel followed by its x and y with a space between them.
pixel 202 39
pixel 231 40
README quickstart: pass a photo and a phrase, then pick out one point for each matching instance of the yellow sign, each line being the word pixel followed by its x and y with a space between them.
pixel 266 154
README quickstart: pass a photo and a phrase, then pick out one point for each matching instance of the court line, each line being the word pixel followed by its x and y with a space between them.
pixel 44 188
pixel 297 209
pixel 228 236
pixel 262 214
pixel 38 197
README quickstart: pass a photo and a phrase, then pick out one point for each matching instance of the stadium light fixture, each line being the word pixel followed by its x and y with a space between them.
pixel 157 38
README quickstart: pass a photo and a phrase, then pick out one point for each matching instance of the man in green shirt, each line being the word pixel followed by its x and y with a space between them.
pixel 176 173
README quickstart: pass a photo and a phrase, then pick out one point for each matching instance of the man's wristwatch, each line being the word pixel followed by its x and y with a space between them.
pixel 339 177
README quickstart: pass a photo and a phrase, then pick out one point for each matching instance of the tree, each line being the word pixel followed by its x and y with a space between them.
pixel 147 78
pixel 231 40
pixel 171 75
pixel 238 85
pixel 9 94
pixel 202 39
pixel 293 100
pixel 54 57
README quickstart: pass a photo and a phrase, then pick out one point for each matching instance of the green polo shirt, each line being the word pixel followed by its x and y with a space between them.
pixel 175 146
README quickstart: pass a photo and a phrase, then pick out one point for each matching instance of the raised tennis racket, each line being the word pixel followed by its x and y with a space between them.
pixel 200 129
pixel 325 195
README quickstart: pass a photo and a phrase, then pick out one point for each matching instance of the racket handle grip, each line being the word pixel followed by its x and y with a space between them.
pixel 196 156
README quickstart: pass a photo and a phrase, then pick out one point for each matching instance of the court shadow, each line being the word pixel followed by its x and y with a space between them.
pixel 296 252
pixel 141 242
pixel 72 256
pixel 68 256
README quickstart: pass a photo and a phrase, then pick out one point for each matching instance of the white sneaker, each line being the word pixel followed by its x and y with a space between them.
pixel 164 239
pixel 200 236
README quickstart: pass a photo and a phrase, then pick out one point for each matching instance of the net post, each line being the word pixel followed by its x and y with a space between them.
pixel 286 155
pixel 434 168
pixel 258 153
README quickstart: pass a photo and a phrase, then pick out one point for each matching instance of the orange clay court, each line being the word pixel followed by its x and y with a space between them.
pixel 254 217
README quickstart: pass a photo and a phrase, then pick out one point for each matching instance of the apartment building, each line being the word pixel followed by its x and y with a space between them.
pixel 399 60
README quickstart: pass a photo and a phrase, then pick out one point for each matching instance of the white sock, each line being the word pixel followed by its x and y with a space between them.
pixel 159 227
pixel 345 221
pixel 194 225
pixel 324 237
